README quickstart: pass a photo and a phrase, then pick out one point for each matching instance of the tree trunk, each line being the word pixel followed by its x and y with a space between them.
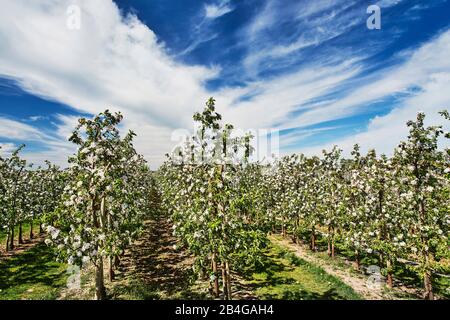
pixel 427 281
pixel 111 269
pixel 297 223
pixel 41 231
pixel 116 261
pixel 216 279
pixel 313 240
pixel 389 278
pixel 329 247
pixel 357 261
pixel 31 230
pixel 224 282
pixel 332 247
pixel 11 245
pixel 227 267
pixel 7 241
pixel 20 234
pixel 100 292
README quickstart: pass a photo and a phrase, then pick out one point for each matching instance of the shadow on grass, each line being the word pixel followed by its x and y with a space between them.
pixel 283 275
pixel 31 274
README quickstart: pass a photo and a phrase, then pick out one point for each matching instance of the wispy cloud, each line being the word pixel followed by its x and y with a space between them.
pixel 418 71
pixel 311 24
pixel 7 148
pixel 216 10
pixel 388 3
pixel 12 129
pixel 290 141
pixel 37 118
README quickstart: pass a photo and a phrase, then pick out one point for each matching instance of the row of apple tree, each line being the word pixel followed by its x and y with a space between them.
pixel 222 205
pixel 394 208
pixel 92 210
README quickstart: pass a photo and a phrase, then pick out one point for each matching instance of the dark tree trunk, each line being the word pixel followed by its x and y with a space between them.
pixel 313 240
pixel 297 223
pixel 111 269
pixel 227 267
pixel 11 244
pixel 224 282
pixel 7 241
pixel 20 234
pixel 100 291
pixel 357 261
pixel 116 261
pixel 216 279
pixel 329 247
pixel 389 278
pixel 427 281
pixel 332 248
pixel 31 230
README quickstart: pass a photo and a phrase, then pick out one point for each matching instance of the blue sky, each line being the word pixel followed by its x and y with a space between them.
pixel 311 69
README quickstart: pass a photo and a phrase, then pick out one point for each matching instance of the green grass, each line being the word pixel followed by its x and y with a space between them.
pixel 33 274
pixel 285 276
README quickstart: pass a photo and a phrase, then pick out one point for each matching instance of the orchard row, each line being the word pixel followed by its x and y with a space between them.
pixel 393 208
pixel 223 207
pixel 92 210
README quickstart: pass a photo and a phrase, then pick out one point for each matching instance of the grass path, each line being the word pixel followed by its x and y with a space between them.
pixel 357 282
pixel 346 273
pixel 286 276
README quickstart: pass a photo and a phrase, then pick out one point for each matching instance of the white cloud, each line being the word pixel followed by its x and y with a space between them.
pixel 277 98
pixel 111 62
pixel 289 141
pixel 37 118
pixel 16 130
pixel 388 3
pixel 214 11
pixel 7 148
pixel 384 133
pixel 54 147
